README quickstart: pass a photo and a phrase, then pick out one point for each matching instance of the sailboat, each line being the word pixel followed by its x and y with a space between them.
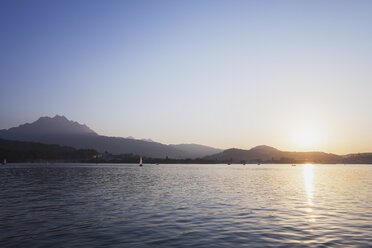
pixel 140 162
pixel 4 162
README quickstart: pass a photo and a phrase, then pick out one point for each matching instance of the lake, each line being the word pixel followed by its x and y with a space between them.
pixel 111 205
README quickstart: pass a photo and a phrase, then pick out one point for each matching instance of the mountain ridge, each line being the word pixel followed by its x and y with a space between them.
pixel 62 131
pixel 58 124
pixel 268 154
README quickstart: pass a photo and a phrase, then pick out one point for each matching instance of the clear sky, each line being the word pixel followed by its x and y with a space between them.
pixel 291 74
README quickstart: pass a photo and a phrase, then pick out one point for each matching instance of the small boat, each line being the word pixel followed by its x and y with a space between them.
pixel 4 162
pixel 293 165
pixel 140 162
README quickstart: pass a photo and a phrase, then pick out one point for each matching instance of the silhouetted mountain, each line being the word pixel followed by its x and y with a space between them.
pixel 44 126
pixel 195 150
pixel 59 130
pixel 270 154
pixel 359 158
pixel 254 154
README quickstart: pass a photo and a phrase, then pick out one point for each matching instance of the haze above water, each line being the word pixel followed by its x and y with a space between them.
pixel 190 205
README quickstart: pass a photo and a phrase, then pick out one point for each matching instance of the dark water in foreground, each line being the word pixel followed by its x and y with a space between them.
pixel 185 205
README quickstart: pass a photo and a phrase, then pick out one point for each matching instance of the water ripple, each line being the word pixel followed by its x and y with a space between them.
pixel 185 205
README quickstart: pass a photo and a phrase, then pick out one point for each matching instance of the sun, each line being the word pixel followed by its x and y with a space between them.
pixel 306 137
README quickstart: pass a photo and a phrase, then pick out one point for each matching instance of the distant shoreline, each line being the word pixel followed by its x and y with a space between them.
pixel 32 152
pixel 165 163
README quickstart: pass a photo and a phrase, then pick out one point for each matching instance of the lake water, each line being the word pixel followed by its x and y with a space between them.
pixel 80 205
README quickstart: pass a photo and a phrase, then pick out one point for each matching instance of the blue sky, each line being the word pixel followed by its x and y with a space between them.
pixel 220 73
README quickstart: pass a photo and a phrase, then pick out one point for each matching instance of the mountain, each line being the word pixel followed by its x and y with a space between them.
pixel 254 154
pixel 59 130
pixel 58 125
pixel 195 150
pixel 270 154
pixel 358 158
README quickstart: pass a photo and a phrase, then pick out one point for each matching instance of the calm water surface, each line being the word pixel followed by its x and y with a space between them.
pixel 77 205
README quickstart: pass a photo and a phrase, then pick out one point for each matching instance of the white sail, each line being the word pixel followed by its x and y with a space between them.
pixel 140 163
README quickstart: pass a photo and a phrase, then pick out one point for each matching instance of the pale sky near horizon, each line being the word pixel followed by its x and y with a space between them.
pixel 295 75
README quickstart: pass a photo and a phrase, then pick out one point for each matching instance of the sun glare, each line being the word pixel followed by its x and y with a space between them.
pixel 306 138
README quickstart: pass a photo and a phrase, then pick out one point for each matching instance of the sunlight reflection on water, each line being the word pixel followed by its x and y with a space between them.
pixel 308 173
pixel 80 205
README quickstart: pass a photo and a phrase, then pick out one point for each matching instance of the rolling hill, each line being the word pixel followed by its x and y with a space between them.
pixel 267 154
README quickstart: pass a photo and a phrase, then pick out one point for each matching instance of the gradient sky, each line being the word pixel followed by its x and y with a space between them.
pixel 219 73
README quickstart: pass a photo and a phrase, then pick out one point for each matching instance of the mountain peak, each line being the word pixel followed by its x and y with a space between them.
pixel 56 125
pixel 55 118
pixel 264 147
pixel 62 131
pixel 60 117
